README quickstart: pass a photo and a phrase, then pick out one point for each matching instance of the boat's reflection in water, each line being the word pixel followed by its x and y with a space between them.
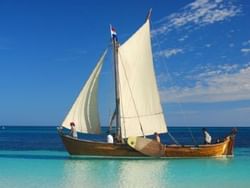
pixel 145 173
pixel 142 173
pixel 115 173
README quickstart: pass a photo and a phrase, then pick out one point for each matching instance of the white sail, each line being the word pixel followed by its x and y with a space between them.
pixel 140 109
pixel 84 112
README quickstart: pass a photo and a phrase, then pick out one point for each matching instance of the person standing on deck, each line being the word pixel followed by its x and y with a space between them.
pixel 73 131
pixel 157 137
pixel 110 139
pixel 207 137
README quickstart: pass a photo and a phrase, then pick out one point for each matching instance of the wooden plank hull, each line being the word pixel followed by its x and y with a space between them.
pixel 102 149
pixel 91 148
pixel 208 150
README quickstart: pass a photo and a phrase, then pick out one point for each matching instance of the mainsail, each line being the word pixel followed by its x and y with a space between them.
pixel 140 109
pixel 84 112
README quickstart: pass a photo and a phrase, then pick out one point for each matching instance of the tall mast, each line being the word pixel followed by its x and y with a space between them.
pixel 116 73
pixel 149 14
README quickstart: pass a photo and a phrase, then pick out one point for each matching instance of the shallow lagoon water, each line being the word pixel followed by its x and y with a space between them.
pixel 55 168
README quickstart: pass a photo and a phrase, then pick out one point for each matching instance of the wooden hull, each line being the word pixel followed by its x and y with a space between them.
pixel 209 150
pixel 102 149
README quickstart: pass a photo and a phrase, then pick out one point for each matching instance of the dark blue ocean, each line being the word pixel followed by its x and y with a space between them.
pixel 46 138
pixel 35 157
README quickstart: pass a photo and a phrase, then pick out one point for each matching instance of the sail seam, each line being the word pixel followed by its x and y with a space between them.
pixel 148 115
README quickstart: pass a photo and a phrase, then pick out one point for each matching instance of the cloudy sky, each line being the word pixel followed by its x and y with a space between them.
pixel 201 54
pixel 203 50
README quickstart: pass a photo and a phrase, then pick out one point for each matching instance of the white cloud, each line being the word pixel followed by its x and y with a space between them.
pixel 226 84
pixel 169 52
pixel 163 79
pixel 183 38
pixel 199 12
pixel 228 68
pixel 245 50
pixel 246 43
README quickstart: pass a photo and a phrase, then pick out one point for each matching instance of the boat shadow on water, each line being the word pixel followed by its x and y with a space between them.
pixel 57 157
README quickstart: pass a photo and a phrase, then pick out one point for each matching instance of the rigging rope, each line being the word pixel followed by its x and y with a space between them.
pixel 171 80
pixel 111 121
pixel 172 137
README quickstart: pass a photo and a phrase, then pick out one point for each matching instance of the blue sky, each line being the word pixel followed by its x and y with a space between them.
pixel 201 52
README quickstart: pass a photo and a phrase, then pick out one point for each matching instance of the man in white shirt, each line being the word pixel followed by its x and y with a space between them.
pixel 73 131
pixel 207 137
pixel 157 137
pixel 110 139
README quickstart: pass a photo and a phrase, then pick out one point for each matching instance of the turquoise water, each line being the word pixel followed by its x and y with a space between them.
pixel 57 169
pixel 36 158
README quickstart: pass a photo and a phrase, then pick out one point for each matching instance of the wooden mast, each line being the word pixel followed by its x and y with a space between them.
pixel 149 14
pixel 117 95
pixel 116 73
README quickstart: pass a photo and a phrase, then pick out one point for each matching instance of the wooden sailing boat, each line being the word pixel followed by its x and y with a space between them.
pixel 138 109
